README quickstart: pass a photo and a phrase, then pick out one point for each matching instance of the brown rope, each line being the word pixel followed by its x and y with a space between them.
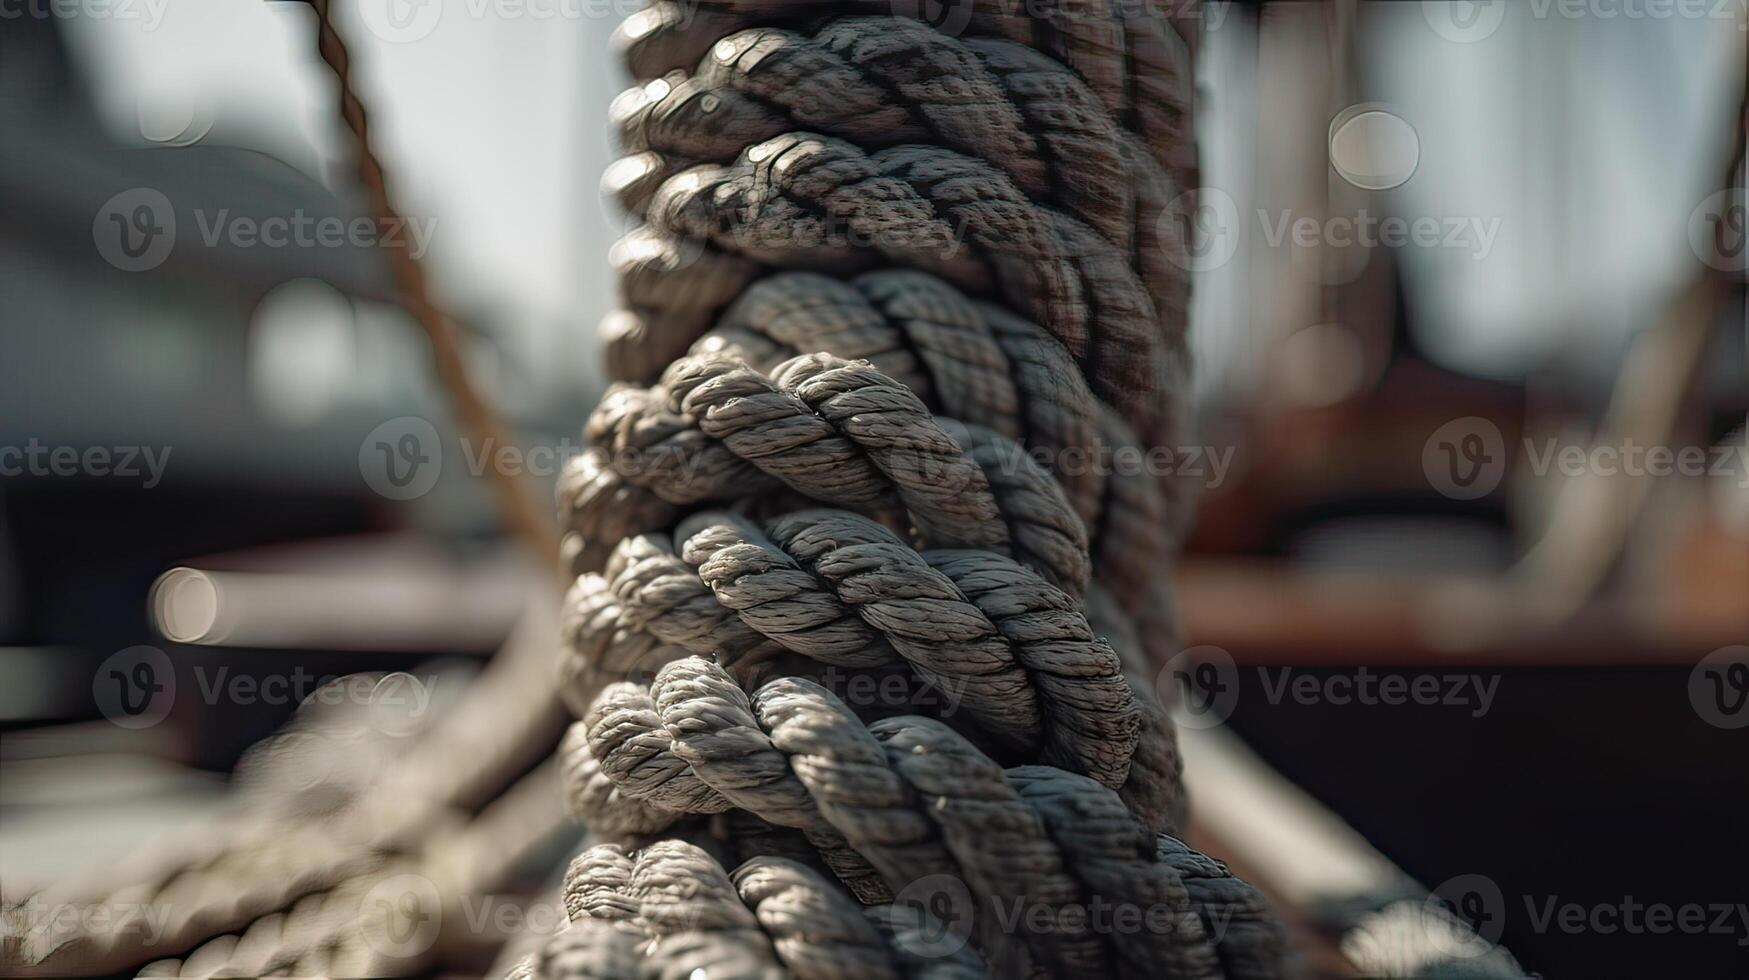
pixel 521 514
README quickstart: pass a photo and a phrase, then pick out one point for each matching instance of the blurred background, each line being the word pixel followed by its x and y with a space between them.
pixel 1471 339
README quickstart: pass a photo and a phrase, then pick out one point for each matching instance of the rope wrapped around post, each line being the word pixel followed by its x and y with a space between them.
pixel 869 567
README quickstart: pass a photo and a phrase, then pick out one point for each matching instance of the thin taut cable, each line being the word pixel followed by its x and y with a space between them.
pixel 521 513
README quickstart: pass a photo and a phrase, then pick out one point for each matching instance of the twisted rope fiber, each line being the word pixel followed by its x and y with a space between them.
pixel 1011 654
pixel 671 908
pixel 803 428
pixel 978 363
pixel 982 365
pixel 958 566
pixel 981 91
pixel 879 83
pixel 920 802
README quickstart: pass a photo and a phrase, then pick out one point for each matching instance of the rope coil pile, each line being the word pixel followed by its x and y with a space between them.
pixel 869 574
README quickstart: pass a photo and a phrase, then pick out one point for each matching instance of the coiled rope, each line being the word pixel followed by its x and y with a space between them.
pixel 867 559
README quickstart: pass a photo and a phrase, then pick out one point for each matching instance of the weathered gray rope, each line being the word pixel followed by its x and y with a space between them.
pixel 1249 939
pixel 670 908
pixel 919 801
pixel 336 928
pixel 1134 59
pixel 880 82
pixel 804 200
pixel 839 432
pixel 1014 653
pixel 979 364
pixel 818 932
pixel 974 361
pixel 958 559
pixel 877 82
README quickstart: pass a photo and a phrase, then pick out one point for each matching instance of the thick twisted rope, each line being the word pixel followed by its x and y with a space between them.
pixel 919 802
pixel 954 577
pixel 670 909
pixel 991 98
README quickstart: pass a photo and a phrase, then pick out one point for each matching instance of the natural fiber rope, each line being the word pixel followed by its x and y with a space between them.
pixel 1077 259
pixel 954 576
pixel 920 803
